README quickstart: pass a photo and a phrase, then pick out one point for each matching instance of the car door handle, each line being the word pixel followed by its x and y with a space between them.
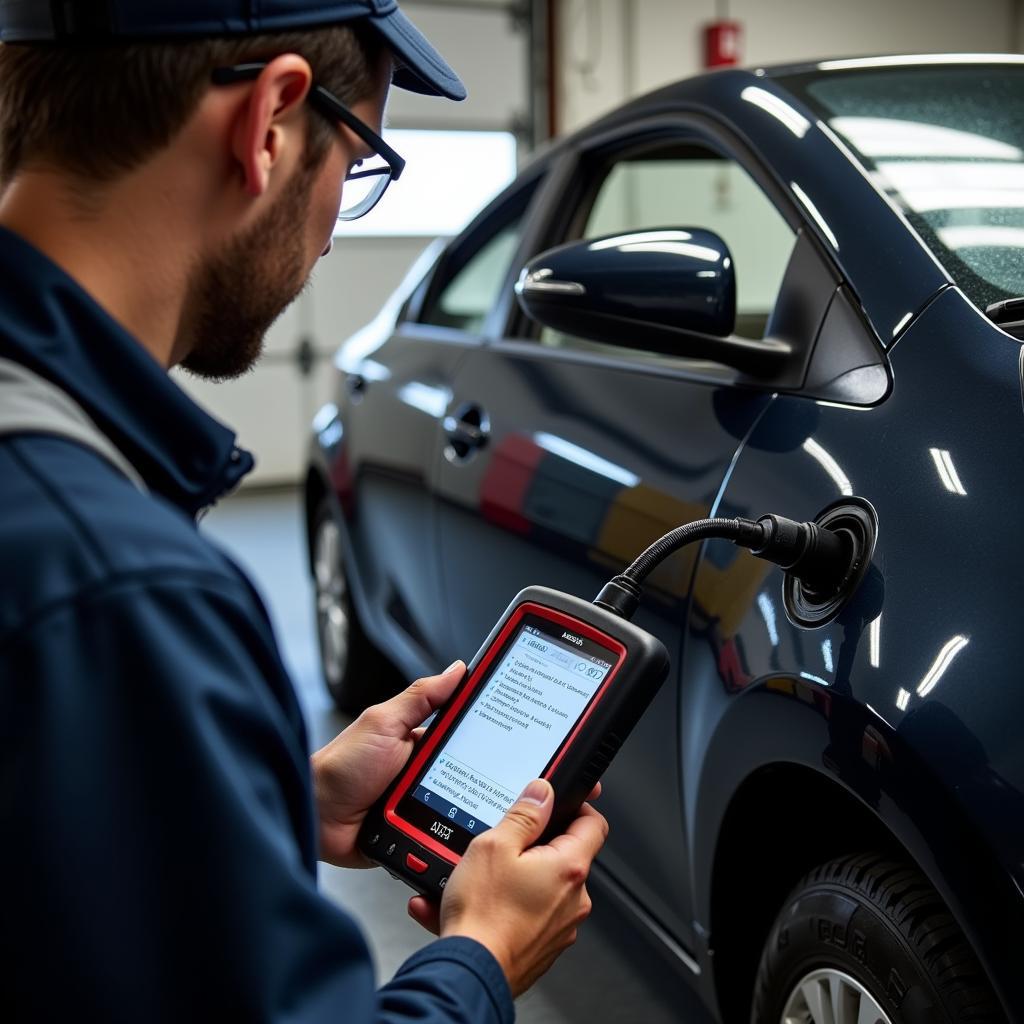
pixel 467 430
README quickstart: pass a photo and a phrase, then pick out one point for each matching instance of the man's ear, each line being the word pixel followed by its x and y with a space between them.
pixel 271 120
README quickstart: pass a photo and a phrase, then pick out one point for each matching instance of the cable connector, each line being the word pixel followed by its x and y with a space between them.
pixel 820 558
pixel 620 595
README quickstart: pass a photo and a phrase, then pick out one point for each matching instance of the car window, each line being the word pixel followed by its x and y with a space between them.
pixel 694 187
pixel 947 146
pixel 479 270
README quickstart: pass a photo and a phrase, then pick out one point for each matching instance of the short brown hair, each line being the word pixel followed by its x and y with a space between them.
pixel 100 110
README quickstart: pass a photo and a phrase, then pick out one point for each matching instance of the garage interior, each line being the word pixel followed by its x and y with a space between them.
pixel 534 70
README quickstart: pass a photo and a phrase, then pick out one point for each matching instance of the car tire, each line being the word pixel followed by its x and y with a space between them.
pixel 868 934
pixel 354 671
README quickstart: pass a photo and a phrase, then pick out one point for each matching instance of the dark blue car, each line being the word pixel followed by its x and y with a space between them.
pixel 820 822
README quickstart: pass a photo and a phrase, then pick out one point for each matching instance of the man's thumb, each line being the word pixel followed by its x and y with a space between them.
pixel 527 818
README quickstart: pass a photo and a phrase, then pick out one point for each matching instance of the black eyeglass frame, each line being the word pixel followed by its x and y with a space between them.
pixel 327 104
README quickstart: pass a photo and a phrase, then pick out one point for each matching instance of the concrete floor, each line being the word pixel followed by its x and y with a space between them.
pixel 611 976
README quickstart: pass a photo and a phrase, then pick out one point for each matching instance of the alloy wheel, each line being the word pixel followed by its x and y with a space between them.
pixel 831 997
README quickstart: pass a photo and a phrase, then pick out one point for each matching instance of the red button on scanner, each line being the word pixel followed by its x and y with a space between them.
pixel 413 863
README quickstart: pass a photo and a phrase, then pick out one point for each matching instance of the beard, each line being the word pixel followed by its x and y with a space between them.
pixel 235 295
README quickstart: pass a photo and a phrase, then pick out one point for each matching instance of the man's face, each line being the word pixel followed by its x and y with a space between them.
pixel 237 293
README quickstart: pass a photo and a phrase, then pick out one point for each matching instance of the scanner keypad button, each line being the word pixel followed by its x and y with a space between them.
pixel 413 863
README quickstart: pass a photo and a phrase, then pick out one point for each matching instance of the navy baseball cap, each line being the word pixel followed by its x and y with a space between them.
pixel 418 66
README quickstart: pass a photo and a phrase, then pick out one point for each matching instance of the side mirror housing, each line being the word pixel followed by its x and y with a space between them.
pixel 671 290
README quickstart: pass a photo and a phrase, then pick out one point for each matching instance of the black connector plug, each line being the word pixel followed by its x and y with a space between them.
pixel 620 595
pixel 821 559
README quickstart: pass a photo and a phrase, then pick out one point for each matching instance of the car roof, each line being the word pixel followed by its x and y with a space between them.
pixel 880 61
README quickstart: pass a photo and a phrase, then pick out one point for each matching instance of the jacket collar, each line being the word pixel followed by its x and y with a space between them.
pixel 50 324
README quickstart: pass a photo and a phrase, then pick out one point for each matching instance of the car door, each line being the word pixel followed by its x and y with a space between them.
pixel 397 388
pixel 586 453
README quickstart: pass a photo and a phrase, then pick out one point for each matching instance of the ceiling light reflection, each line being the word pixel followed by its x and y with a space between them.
pixel 981 236
pixel 586 459
pixel 778 108
pixel 325 415
pixel 813 211
pixel 829 464
pixel 947 471
pixel 904 320
pixel 900 60
pixel 697 252
pixel 767 609
pixel 884 136
pixel 431 400
pixel 943 660
pixel 875 642
pixel 640 236
pixel 902 699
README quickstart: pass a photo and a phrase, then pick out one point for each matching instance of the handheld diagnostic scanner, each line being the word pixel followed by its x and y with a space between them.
pixel 552 693
pixel 559 684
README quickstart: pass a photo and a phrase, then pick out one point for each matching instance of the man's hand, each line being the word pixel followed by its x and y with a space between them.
pixel 355 768
pixel 523 902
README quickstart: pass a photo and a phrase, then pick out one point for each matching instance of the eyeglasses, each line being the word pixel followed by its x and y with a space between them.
pixel 369 179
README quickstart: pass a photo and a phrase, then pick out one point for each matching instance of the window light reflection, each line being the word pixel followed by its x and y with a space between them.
pixel 477 166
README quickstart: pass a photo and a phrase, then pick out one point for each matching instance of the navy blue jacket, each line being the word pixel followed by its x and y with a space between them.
pixel 157 828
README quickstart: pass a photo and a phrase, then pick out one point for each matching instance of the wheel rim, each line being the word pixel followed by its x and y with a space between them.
pixel 831 997
pixel 331 602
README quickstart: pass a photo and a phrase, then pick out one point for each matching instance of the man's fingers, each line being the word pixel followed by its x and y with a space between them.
pixel 420 700
pixel 527 818
pixel 426 914
pixel 595 792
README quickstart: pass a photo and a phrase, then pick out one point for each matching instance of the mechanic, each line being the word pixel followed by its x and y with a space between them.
pixel 160 817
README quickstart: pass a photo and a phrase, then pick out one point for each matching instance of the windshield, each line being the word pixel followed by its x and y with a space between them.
pixel 947 145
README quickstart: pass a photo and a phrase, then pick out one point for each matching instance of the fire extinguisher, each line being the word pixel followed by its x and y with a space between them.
pixel 722 39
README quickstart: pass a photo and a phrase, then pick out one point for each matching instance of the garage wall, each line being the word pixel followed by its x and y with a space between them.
pixel 610 50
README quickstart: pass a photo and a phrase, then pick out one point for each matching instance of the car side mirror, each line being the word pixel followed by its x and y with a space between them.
pixel 671 290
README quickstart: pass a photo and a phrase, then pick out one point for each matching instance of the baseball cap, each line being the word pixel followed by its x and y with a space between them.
pixel 418 66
